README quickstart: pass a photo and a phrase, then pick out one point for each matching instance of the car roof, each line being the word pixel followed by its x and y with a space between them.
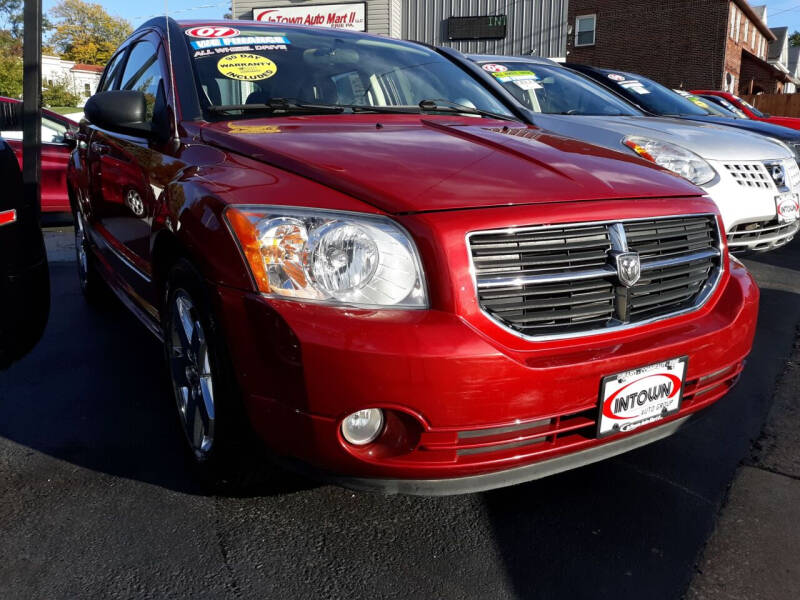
pixel 483 58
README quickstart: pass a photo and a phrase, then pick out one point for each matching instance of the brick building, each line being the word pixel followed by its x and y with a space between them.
pixel 706 44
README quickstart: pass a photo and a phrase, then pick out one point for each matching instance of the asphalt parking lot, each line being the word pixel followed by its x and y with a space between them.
pixel 95 501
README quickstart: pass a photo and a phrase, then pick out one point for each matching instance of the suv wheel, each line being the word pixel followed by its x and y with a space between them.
pixel 91 283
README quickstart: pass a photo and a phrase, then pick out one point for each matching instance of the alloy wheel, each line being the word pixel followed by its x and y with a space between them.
pixel 190 370
pixel 80 249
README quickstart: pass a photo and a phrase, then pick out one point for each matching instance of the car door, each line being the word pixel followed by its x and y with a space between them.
pixel 55 155
pixel 127 174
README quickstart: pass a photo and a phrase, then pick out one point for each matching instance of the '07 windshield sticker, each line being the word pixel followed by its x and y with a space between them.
pixel 246 67
pixel 616 77
pixel 210 31
pixel 493 68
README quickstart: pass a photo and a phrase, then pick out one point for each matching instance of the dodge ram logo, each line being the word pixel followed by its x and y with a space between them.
pixel 629 268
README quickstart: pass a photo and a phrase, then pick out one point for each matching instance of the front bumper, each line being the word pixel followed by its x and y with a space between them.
pixel 460 405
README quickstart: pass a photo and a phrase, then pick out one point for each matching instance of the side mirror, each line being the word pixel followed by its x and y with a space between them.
pixel 70 138
pixel 121 111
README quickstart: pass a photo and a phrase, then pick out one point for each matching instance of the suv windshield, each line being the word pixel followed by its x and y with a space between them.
pixel 315 69
pixel 752 108
pixel 712 109
pixel 651 96
pixel 553 90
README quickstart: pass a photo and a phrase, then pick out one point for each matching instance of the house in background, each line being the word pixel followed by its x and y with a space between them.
pixel 691 44
pixel 82 79
pixel 794 69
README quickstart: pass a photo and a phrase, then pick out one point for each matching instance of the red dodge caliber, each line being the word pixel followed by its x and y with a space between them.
pixel 351 243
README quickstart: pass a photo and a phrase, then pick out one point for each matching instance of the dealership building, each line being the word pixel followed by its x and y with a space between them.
pixel 497 27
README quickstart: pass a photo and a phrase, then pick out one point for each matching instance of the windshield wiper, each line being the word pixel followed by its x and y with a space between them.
pixel 279 106
pixel 441 105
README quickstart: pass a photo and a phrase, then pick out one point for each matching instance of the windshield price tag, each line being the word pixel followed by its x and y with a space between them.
pixel 641 396
pixel 635 85
pixel 788 206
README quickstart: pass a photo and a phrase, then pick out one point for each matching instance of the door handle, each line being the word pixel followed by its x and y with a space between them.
pixel 98 148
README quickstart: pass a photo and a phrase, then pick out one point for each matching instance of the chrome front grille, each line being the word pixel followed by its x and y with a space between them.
pixel 561 281
pixel 762 235
pixel 752 174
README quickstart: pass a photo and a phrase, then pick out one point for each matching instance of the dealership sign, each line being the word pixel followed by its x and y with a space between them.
pixel 341 16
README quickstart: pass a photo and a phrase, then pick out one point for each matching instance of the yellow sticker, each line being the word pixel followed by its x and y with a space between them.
pixel 239 128
pixel 246 67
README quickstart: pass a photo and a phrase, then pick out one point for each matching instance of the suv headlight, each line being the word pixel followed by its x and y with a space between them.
pixel 678 160
pixel 332 257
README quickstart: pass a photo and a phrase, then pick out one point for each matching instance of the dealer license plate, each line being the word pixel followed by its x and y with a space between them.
pixel 638 397
pixel 788 205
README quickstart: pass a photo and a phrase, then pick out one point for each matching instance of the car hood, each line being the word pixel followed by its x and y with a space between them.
pixel 791 122
pixel 762 127
pixel 710 141
pixel 409 163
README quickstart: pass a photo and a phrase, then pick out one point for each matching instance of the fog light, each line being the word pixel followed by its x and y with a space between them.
pixel 363 426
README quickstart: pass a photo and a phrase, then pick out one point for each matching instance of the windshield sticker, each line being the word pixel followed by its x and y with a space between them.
pixel 241 41
pixel 246 67
pixel 615 77
pixel 515 76
pixel 492 68
pixel 210 31
pixel 528 84
pixel 635 85
pixel 256 48
pixel 697 101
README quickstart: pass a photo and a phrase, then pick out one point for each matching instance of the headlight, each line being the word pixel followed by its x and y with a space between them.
pixel 329 256
pixel 676 159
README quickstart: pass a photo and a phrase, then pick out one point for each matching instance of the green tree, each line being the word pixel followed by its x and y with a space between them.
pixel 59 93
pixel 10 65
pixel 85 32
pixel 794 39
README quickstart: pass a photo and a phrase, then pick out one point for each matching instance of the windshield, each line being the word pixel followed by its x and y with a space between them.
pixel 651 96
pixel 724 103
pixel 325 67
pixel 752 108
pixel 554 90
pixel 709 107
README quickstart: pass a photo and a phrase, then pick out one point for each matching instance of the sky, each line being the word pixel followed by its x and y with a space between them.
pixel 779 12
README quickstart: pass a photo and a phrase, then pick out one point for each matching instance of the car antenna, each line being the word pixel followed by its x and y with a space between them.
pixel 175 138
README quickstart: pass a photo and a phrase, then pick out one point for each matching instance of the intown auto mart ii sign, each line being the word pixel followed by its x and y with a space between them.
pixel 342 16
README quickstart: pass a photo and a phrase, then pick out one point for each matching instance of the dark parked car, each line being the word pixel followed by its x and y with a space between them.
pixel 658 100
pixel 24 280
pixel 349 244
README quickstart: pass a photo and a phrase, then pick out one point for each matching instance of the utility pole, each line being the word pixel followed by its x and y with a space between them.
pixel 32 104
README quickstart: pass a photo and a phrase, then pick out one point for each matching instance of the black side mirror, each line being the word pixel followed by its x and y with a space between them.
pixel 121 111
pixel 70 138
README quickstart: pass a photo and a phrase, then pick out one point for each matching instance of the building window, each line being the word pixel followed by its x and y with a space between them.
pixel 746 30
pixel 733 21
pixel 87 90
pixel 585 26
pixel 738 24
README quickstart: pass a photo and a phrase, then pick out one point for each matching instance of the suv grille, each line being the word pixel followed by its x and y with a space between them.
pixel 750 174
pixel 558 281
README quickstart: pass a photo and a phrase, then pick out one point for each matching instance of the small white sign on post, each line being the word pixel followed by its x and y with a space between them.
pixel 339 16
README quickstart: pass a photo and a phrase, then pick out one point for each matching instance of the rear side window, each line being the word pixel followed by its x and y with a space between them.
pixel 143 74
pixel 112 71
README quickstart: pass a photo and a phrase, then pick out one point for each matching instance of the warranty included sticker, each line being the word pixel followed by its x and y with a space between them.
pixel 246 67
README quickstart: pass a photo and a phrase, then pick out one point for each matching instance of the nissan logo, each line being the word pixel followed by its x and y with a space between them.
pixel 778 174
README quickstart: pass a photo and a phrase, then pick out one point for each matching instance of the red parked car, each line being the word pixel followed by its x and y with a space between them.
pixel 750 110
pixel 357 246
pixel 56 149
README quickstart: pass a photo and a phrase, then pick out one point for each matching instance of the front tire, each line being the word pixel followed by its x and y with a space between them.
pixel 206 398
pixel 92 284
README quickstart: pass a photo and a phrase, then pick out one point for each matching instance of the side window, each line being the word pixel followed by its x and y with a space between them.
pixel 112 70
pixel 52 131
pixel 143 74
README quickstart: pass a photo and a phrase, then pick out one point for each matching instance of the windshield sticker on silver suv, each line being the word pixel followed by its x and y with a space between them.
pixel 507 76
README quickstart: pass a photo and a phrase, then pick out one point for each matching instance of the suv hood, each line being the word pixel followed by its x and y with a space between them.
pixel 710 141
pixel 777 131
pixel 409 163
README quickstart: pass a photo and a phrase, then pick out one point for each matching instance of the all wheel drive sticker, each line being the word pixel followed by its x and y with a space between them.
pixel 208 40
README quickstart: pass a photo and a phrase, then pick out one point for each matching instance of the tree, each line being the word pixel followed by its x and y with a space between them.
pixel 794 39
pixel 85 32
pixel 10 65
pixel 11 17
pixel 59 93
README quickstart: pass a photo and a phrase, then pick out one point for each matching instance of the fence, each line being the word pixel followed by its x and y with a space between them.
pixel 784 105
